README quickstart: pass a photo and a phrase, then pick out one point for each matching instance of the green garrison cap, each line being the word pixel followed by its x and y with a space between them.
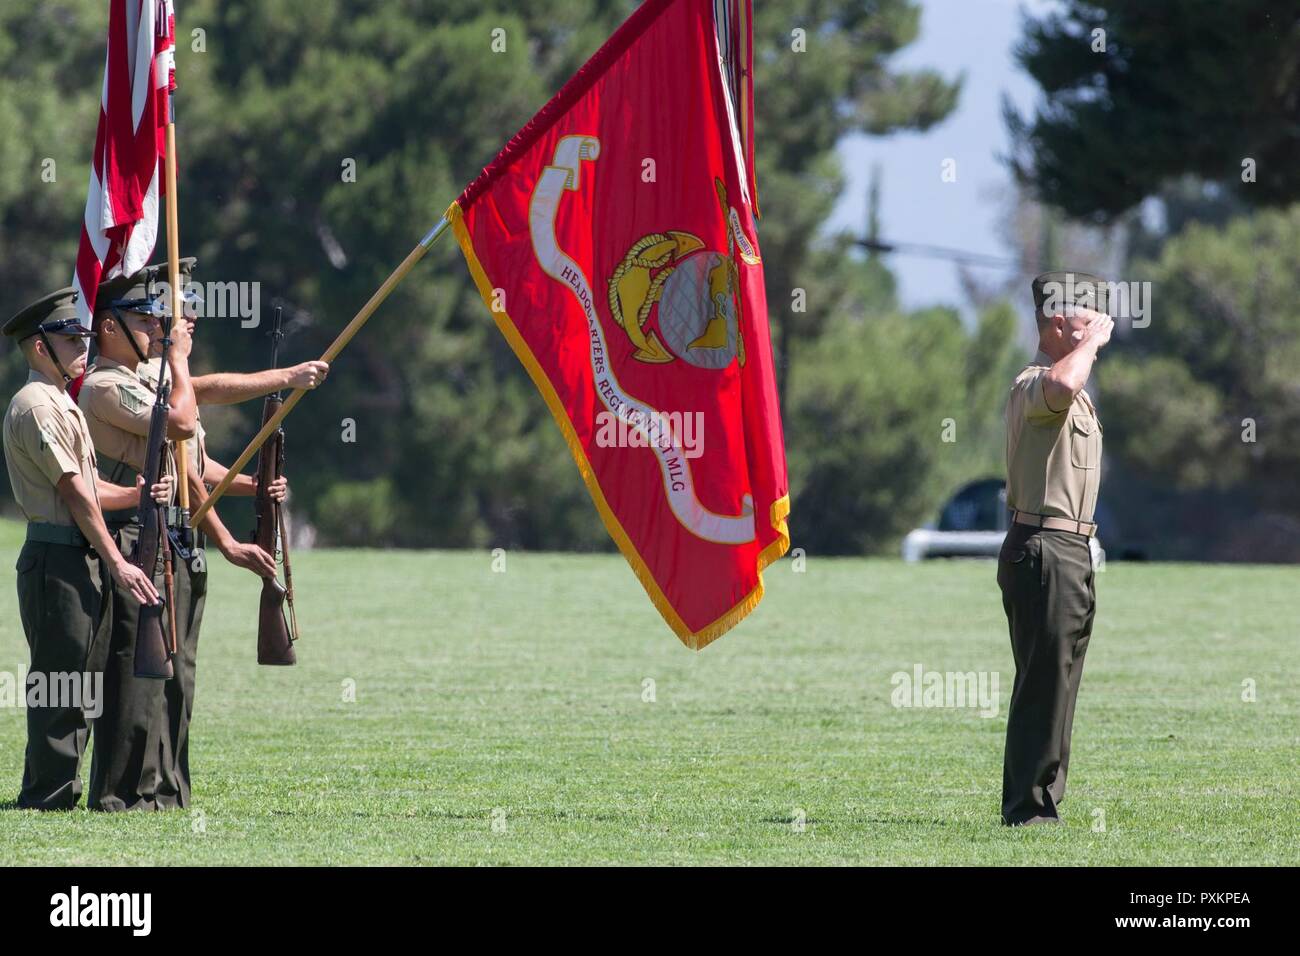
pixel 136 292
pixel 1053 291
pixel 55 314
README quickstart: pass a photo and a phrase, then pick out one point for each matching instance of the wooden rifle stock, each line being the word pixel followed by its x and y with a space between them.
pixel 274 640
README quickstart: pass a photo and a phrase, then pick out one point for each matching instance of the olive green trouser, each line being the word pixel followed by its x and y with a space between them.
pixel 1047 585
pixel 141 758
pixel 126 765
pixel 62 602
pixel 178 693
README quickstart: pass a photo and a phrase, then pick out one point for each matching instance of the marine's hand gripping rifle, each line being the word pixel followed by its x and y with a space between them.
pixel 276 630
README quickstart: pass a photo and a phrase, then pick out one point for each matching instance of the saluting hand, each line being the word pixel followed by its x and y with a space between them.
pixel 308 374
pixel 1099 329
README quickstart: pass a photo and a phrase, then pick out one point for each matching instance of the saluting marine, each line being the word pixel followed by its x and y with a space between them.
pixel 141 743
pixel 1045 568
pixel 69 556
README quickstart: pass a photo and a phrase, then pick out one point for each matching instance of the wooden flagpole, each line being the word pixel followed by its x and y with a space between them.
pixel 331 353
pixel 174 279
pixel 743 53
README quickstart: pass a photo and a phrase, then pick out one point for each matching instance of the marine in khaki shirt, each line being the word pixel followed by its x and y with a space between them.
pixel 1045 570
pixel 64 565
pixel 132 737
pixel 141 744
pixel 119 409
pixel 45 438
pixel 119 393
pixel 1053 457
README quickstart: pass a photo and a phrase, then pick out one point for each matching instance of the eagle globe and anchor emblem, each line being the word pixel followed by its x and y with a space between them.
pixel 673 298
pixel 698 318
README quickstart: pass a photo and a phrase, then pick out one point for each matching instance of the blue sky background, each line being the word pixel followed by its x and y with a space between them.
pixel 974 37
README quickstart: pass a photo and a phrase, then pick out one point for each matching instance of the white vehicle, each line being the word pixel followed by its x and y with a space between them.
pixel 972 525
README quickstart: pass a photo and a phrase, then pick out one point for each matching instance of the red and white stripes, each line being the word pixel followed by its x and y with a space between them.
pixel 126 174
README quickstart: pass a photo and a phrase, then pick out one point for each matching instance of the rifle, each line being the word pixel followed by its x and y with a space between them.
pixel 153 651
pixel 275 632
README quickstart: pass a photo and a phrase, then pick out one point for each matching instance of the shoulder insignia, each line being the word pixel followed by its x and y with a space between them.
pixel 129 399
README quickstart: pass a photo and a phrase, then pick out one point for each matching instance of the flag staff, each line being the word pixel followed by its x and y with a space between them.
pixel 331 353
pixel 174 281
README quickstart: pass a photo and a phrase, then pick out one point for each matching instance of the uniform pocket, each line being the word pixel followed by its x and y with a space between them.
pixel 1083 441
pixel 1018 565
pixel 31 589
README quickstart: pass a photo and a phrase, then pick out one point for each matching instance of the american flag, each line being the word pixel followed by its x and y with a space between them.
pixel 126 172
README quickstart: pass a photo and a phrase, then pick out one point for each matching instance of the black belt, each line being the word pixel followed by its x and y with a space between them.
pixel 45 533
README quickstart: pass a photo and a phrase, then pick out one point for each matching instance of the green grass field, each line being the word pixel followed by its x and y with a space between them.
pixel 499 719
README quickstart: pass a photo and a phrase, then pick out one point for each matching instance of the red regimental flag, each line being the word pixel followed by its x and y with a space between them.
pixel 120 227
pixel 613 239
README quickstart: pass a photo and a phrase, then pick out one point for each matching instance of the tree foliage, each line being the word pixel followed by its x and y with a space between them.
pixel 902 409
pixel 1207 395
pixel 277 101
pixel 1180 89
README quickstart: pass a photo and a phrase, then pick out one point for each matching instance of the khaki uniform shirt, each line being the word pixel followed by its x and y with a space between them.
pixel 196 446
pixel 1053 458
pixel 118 403
pixel 118 408
pixel 45 438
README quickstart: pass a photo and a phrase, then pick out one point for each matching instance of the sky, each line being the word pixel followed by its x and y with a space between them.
pixel 974 37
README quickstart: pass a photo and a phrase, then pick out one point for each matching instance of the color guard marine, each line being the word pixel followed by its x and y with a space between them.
pixel 70 561
pixel 144 735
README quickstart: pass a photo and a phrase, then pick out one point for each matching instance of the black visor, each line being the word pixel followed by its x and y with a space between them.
pixel 155 305
pixel 62 327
